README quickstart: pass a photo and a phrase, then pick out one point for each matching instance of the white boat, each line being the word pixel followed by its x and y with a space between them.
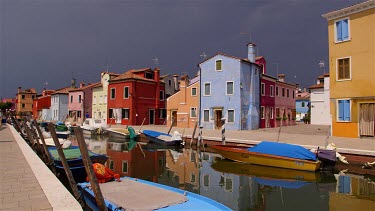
pixel 93 126
pixel 122 133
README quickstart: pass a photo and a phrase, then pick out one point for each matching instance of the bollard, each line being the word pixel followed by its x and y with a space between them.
pixel 223 131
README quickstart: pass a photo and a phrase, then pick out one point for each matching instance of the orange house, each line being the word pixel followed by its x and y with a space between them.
pixel 25 98
pixel 183 106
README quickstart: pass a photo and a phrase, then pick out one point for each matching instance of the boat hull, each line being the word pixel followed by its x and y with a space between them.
pixel 241 154
pixel 162 142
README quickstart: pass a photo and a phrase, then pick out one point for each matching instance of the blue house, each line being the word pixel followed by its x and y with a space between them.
pixel 230 90
pixel 302 105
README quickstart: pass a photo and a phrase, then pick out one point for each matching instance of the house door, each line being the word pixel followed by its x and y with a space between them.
pixel 267 117
pixel 151 116
pixel 118 115
pixel 218 116
pixel 367 119
pixel 174 118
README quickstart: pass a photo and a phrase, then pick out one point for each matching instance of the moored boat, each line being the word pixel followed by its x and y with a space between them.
pixel 93 126
pixel 128 192
pixel 122 133
pixel 272 154
pixel 163 138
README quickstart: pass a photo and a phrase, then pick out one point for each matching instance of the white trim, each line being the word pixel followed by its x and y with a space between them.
pixel 183 113
pixel 234 116
pixel 226 87
pixel 208 115
pixel 195 112
pixel 128 92
pixel 273 91
pixel 191 91
pixel 128 115
pixel 272 114
pixel 337 109
pixel 350 10
pixel 262 89
pixel 335 31
pixel 110 94
pixel 221 65
pixel 204 88
pixel 350 68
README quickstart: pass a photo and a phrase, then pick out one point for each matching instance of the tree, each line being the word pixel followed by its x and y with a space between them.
pixel 6 105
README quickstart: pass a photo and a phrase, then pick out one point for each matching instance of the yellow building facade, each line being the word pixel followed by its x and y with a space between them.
pixel 351 41
pixel 24 105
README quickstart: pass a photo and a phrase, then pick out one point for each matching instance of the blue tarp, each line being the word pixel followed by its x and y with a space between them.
pixel 295 184
pixel 154 133
pixel 282 149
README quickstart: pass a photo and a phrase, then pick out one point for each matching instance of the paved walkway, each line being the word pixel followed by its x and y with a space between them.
pixel 307 135
pixel 26 183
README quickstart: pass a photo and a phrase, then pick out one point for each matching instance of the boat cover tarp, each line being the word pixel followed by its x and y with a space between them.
pixel 154 133
pixel 284 150
pixel 293 184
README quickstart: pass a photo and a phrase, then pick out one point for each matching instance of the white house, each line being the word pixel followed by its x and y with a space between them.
pixel 319 98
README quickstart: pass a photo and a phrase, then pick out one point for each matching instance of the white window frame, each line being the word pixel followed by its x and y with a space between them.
pixel 221 65
pixel 335 30
pixel 161 92
pixel 94 100
pixel 196 114
pixel 105 99
pixel 350 68
pixel 226 87
pixel 271 111
pixel 337 110
pixel 262 89
pixel 191 92
pixel 204 89
pixel 208 115
pixel 234 116
pixel 262 112
pixel 128 92
pixel 110 94
pixel 125 113
pixel 271 91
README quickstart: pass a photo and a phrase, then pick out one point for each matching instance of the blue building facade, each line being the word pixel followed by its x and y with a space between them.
pixel 230 90
pixel 302 107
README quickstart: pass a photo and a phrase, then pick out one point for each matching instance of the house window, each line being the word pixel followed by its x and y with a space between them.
pixel 71 98
pixel 271 90
pixel 161 95
pixel 231 116
pixel 169 82
pixel 94 101
pixel 228 184
pixel 342 30
pixel 111 165
pixel 271 113
pixel 33 96
pixel 113 93
pixel 149 75
pixel 194 91
pixel 206 115
pixel 126 92
pixel 206 180
pixel 262 112
pixel 344 110
pixel 218 66
pixel 283 92
pixel 23 105
pixel 277 112
pixel 193 112
pixel 111 114
pixel 262 88
pixel 79 98
pixel 207 89
pixel 125 166
pixel 125 113
pixel 230 88
pixel 287 93
pixel 343 68
pixel 162 113
pixel 23 96
pixel 105 98
pixel 277 91
pixel 303 104
pixel 293 94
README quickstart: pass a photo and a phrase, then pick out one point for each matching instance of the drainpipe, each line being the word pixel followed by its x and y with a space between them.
pixel 200 96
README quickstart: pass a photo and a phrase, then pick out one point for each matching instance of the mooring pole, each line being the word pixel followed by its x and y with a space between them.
pixel 89 169
pixel 170 128
pixel 200 138
pixel 65 164
pixel 49 160
pixel 142 124
pixel 192 137
pixel 223 131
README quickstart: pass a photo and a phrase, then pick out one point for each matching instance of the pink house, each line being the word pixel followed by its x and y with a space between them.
pixel 80 102
pixel 285 102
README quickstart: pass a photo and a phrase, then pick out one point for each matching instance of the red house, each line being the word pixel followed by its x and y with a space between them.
pixel 285 102
pixel 136 96
pixel 40 103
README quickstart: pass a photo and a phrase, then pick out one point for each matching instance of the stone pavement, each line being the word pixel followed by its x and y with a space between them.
pixel 26 183
pixel 307 135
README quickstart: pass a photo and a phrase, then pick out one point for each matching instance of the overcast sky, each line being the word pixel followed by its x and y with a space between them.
pixel 55 40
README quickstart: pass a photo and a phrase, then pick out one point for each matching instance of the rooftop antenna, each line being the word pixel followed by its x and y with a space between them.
pixel 156 61
pixel 321 65
pixel 203 55
pixel 107 67
pixel 249 33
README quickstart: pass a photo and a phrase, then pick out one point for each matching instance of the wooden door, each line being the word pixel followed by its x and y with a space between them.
pixel 218 116
pixel 367 119
pixel 174 118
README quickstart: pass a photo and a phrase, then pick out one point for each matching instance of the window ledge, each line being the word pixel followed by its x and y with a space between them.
pixel 338 42
pixel 338 80
pixel 339 121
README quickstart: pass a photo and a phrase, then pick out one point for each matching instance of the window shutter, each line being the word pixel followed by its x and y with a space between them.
pixel 339 30
pixel 346 110
pixel 341 110
pixel 345 29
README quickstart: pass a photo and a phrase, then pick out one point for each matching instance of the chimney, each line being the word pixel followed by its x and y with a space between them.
pixel 175 81
pixel 251 52
pixel 184 82
pixel 82 84
pixel 157 74
pixel 281 77
pixel 73 83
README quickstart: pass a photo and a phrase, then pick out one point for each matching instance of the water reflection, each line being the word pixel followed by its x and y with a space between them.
pixel 238 186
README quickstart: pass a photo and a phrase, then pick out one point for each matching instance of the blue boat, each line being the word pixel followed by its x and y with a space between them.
pixel 163 138
pixel 126 195
pixel 74 158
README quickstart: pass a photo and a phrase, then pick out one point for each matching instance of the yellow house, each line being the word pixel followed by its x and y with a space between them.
pixel 183 106
pixel 99 96
pixel 24 105
pixel 351 42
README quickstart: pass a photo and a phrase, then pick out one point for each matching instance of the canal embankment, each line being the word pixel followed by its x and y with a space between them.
pixel 26 182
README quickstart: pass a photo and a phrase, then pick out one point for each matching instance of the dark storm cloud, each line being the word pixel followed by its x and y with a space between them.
pixel 49 40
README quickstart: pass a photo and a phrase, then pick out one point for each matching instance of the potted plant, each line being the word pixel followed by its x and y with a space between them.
pixel 278 118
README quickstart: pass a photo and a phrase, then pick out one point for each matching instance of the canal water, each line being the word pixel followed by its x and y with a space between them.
pixel 236 185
